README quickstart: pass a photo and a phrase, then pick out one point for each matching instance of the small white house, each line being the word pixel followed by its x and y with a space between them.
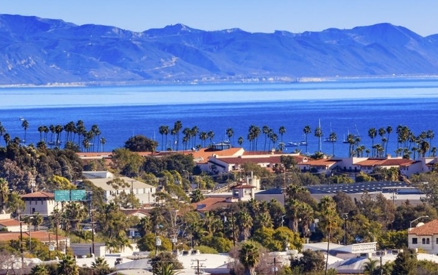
pixel 424 236
pixel 41 202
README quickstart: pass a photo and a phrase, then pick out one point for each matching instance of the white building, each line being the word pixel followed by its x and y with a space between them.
pixel 424 236
pixel 41 202
pixel 102 179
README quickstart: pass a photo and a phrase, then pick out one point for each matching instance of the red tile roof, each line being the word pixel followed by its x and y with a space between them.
pixel 38 195
pixel 209 204
pixel 9 222
pixel 428 229
pixel 40 235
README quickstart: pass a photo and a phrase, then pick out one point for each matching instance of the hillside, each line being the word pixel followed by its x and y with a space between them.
pixel 37 51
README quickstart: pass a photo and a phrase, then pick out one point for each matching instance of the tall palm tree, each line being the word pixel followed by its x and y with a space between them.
pixel 37 220
pixel 372 133
pixel 194 133
pixel 329 220
pixel 319 134
pixel 4 193
pixel 162 130
pixel 282 131
pixel 307 131
pixel 230 133
pixel 177 127
pixel 245 224
pixel 102 143
pixel 265 131
pixel 430 135
pixel 25 125
pixel 2 129
pixel 203 136
pixel 240 141
pixel 210 135
pixel 388 131
pixel 100 266
pixel 249 257
pixel 333 138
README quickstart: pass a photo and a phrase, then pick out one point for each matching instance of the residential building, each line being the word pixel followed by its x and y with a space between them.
pixel 103 179
pixel 424 236
pixel 11 225
pixel 41 202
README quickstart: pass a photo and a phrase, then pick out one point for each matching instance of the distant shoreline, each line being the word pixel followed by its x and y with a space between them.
pixel 261 80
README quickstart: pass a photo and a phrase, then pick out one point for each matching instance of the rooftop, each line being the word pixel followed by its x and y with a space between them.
pixel 427 229
pixel 43 195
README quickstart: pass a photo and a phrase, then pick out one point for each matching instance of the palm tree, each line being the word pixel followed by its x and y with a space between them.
pixel 7 138
pixel 230 134
pixel 68 266
pixel 265 131
pixel 100 266
pixel 249 256
pixel 424 147
pixel 25 125
pixel 210 135
pixel 329 220
pixel 319 134
pixel 282 131
pixel 194 132
pixel 240 141
pixel 372 133
pixel 177 127
pixel 333 138
pixel 388 131
pixel 203 136
pixel 307 131
pixel 37 220
pixel 370 267
pixel 196 196
pixel 102 143
pixel 39 269
pixel 4 193
pixel 430 135
pixel 2 129
pixel 245 224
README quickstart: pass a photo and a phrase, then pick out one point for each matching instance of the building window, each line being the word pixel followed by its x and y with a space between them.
pixel 427 241
pixel 415 241
pixel 436 240
pixel 423 240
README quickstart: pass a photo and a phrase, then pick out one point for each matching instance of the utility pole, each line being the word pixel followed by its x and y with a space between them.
pixel 90 208
pixel 275 266
pixel 21 243
pixel 198 266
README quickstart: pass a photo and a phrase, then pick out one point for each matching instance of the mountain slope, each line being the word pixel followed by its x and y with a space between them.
pixel 36 51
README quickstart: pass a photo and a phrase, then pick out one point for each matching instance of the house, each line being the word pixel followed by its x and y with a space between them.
pixel 11 225
pixel 102 179
pixel 320 166
pixel 41 202
pixel 42 236
pixel 424 236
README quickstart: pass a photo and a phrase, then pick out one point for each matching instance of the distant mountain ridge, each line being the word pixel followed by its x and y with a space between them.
pixel 37 51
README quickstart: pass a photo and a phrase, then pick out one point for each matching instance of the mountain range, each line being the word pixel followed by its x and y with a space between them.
pixel 38 51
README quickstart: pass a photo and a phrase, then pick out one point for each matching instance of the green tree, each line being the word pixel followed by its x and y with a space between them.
pixel 39 269
pixel 196 196
pixel 100 266
pixel 371 268
pixel 310 262
pixel 140 143
pixel 4 193
pixel 68 266
pixel 165 263
pixel 405 263
pixel 249 257
pixel 307 131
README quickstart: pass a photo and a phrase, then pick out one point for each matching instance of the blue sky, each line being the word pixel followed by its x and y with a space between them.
pixel 253 16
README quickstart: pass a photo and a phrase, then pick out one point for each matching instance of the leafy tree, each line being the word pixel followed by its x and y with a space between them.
pixel 165 263
pixel 140 143
pixel 4 193
pixel 311 261
pixel 196 196
pixel 405 263
pixel 39 269
pixel 393 239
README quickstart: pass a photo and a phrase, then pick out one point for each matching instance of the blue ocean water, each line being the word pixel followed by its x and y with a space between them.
pixel 120 112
